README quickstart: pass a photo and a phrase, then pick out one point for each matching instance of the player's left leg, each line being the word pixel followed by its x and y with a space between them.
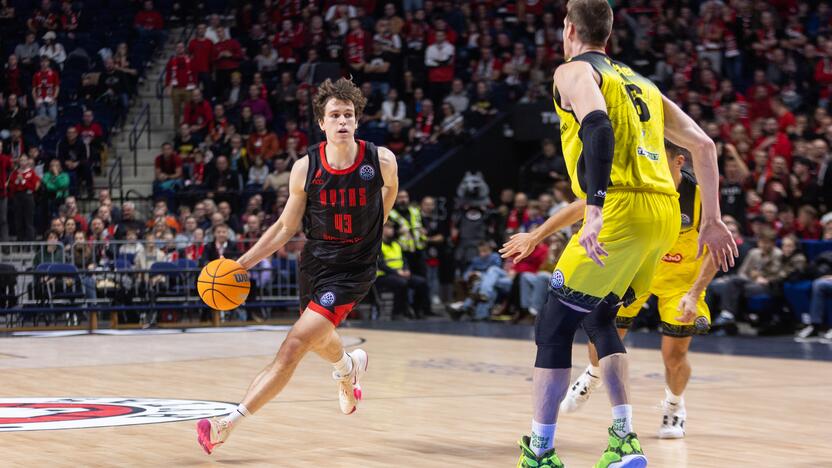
pixel 309 332
pixel 676 338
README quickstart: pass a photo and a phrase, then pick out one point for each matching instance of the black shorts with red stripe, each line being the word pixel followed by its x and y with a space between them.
pixel 333 290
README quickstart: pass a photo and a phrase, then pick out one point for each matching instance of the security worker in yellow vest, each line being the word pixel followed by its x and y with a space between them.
pixel 412 235
pixel 394 276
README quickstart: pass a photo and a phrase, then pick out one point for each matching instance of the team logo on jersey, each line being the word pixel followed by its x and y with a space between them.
pixel 328 298
pixel 557 280
pixel 40 414
pixel 647 154
pixel 672 258
pixel 367 172
pixel 317 180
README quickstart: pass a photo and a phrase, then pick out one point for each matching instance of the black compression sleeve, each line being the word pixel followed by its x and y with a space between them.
pixel 598 140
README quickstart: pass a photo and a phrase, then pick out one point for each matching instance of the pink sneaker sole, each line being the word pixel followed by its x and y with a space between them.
pixel 203 435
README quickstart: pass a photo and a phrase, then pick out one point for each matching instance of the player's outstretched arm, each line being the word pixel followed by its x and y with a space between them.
pixel 522 244
pixel 287 225
pixel 390 173
pixel 577 85
pixel 683 131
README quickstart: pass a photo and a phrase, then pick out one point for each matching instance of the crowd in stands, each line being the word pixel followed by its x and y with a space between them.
pixel 756 76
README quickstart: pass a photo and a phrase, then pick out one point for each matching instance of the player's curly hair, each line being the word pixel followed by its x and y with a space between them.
pixel 344 90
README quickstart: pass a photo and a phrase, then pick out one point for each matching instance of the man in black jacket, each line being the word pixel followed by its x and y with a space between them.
pixel 221 246
pixel 76 159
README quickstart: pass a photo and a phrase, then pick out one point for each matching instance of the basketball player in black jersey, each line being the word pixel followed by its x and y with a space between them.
pixel 343 190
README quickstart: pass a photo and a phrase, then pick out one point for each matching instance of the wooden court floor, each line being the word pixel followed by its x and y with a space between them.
pixel 431 401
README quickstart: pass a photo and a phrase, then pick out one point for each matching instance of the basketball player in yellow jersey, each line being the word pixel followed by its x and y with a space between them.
pixel 613 126
pixel 679 282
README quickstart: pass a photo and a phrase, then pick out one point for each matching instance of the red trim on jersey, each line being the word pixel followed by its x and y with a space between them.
pixel 358 159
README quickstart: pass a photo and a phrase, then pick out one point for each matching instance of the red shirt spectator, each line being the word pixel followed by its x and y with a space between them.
pixel 170 165
pixel 148 18
pixel 13 78
pixel 202 51
pixel 6 168
pixel 89 132
pixel 439 58
pixel 356 43
pixel 23 180
pixel 45 84
pixel 194 251
pixel 179 72
pixel 199 114
pixel 227 53
pixel 286 41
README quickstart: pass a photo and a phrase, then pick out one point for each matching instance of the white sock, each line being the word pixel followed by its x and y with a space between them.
pixel 622 419
pixel 542 438
pixel 594 371
pixel 671 398
pixel 237 415
pixel 344 366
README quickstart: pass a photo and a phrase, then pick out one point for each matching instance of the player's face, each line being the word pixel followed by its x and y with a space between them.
pixel 339 121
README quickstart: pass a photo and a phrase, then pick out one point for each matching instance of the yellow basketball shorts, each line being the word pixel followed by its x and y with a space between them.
pixel 639 228
pixel 668 311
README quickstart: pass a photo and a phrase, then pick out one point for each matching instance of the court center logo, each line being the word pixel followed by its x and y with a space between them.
pixel 44 414
pixel 328 298
pixel 367 172
pixel 557 280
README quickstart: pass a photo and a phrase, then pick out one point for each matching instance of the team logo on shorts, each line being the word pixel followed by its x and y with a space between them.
pixel 40 414
pixel 557 280
pixel 328 298
pixel 367 172
pixel 685 219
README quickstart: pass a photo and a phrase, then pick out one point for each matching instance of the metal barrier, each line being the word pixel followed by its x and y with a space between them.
pixel 141 125
pixel 115 180
pixel 61 295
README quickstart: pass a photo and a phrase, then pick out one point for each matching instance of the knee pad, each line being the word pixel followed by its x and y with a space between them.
pixel 599 325
pixel 554 331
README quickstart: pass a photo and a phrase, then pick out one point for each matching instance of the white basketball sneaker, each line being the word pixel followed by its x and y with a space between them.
pixel 579 392
pixel 212 433
pixel 673 421
pixel 349 389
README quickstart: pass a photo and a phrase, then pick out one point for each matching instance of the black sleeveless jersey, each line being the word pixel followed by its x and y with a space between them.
pixel 344 209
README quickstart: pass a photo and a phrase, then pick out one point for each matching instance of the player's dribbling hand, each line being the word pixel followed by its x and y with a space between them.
pixel 519 246
pixel 716 236
pixel 687 306
pixel 593 222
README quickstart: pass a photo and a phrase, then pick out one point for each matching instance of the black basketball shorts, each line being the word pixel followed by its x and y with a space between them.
pixel 333 290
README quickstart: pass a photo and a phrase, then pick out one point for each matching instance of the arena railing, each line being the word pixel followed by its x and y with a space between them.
pixel 141 126
pixel 108 289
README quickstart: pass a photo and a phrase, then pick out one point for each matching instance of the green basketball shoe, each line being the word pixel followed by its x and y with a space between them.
pixel 622 452
pixel 529 460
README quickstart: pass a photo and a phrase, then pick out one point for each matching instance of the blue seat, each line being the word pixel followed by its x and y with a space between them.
pixel 813 248
pixel 758 303
pixel 798 296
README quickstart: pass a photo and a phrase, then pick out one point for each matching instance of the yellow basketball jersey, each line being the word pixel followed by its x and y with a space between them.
pixel 679 267
pixel 634 105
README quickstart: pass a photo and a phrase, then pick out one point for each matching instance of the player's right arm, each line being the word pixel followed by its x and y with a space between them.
pixel 522 244
pixel 287 225
pixel 683 131
pixel 577 84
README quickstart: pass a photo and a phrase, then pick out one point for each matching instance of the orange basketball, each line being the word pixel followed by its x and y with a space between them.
pixel 223 284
